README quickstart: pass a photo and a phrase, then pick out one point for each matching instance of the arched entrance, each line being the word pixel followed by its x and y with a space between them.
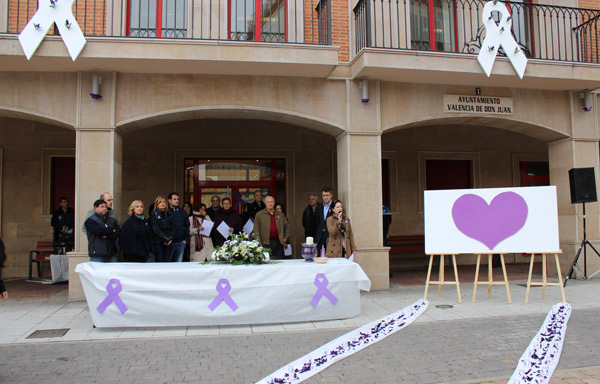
pixel 456 154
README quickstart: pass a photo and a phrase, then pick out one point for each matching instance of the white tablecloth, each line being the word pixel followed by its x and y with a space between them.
pixel 59 265
pixel 179 294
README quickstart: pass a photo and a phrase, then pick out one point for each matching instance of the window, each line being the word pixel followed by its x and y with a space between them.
pixel 448 174
pixel 157 18
pixel 234 178
pixel 433 25
pixel 62 181
pixel 534 173
pixel 271 26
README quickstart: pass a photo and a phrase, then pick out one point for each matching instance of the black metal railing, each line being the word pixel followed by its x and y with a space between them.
pixel 542 31
pixel 281 21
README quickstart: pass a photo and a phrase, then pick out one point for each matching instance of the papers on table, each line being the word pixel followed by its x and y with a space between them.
pixel 208 226
pixel 249 226
pixel 223 229
pixel 287 251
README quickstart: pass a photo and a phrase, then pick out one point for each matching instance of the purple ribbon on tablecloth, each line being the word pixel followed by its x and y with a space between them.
pixel 113 296
pixel 321 283
pixel 223 287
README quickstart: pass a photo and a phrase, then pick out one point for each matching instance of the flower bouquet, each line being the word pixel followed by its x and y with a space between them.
pixel 241 249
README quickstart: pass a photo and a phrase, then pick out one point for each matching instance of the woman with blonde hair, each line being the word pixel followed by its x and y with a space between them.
pixel 136 235
pixel 341 239
pixel 162 226
pixel 201 246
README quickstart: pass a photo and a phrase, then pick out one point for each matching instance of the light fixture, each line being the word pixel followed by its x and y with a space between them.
pixel 586 100
pixel 96 81
pixel 364 87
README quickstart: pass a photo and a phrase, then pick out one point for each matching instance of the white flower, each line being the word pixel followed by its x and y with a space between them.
pixel 266 254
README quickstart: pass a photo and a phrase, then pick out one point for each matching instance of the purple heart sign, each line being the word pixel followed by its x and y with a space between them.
pixel 490 224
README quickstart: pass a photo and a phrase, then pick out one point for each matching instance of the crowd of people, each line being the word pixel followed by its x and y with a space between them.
pixel 171 233
pixel 174 234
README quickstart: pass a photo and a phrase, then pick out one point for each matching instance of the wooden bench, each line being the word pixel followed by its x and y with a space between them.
pixel 406 244
pixel 40 254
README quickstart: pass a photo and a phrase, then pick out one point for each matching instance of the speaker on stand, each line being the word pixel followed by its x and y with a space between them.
pixel 582 182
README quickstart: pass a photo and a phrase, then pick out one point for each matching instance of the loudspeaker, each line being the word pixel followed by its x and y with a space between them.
pixel 583 185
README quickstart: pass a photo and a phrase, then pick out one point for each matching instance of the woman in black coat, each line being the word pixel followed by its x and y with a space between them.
pixel 162 226
pixel 136 235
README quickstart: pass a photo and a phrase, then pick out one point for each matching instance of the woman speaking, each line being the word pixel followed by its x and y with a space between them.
pixel 341 238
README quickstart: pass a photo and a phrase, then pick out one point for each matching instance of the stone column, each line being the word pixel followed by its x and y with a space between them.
pixel 359 182
pixel 98 164
pixel 578 151
pixel 98 169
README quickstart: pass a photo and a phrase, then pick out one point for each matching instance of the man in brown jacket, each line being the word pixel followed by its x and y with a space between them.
pixel 271 229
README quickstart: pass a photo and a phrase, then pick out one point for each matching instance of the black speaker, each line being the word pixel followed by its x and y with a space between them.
pixel 583 185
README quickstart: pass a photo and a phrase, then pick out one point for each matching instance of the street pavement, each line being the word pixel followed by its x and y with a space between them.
pixel 433 352
pixel 477 342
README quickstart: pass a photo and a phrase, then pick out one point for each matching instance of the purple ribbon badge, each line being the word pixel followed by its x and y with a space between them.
pixel 321 283
pixel 223 287
pixel 113 296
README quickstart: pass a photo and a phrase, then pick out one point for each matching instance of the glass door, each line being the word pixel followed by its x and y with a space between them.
pixel 272 23
pixel 157 18
pixel 433 25
pixel 237 179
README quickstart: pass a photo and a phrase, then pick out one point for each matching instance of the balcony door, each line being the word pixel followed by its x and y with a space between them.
pixel 270 26
pixel 157 18
pixel 433 24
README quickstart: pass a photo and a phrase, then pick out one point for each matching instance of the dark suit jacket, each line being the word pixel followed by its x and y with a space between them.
pixel 322 232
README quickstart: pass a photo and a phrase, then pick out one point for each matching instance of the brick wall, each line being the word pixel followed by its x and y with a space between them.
pixel 590 48
pixel 340 33
pixel 90 15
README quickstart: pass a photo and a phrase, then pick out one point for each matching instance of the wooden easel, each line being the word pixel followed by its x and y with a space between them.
pixel 490 280
pixel 544 281
pixel 441 280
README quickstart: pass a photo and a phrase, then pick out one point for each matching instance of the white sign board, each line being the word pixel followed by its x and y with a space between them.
pixel 494 220
pixel 479 105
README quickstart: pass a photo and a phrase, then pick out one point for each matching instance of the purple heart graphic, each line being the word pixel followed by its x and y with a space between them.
pixel 490 224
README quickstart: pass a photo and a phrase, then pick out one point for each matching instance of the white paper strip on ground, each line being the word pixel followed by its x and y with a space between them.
pixel 346 345
pixel 541 357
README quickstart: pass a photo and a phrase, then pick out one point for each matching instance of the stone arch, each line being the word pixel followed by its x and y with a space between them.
pixel 27 115
pixel 539 132
pixel 232 112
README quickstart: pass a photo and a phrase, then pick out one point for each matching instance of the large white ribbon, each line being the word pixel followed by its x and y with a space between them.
pixel 49 12
pixel 497 35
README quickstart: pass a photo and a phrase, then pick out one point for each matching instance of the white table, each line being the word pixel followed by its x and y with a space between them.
pixel 59 265
pixel 179 294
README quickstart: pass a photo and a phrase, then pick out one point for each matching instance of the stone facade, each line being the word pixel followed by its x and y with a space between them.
pixel 165 101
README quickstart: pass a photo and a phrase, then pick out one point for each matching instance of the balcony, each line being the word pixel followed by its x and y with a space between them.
pixel 438 39
pixel 290 37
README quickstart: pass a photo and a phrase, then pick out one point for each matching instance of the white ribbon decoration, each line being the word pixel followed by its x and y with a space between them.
pixel 499 35
pixel 346 345
pixel 541 357
pixel 49 12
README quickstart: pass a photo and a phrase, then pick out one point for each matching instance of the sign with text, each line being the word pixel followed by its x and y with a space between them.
pixel 491 220
pixel 485 105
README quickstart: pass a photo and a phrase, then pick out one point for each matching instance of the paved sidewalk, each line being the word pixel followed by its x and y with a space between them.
pixel 20 318
pixel 465 343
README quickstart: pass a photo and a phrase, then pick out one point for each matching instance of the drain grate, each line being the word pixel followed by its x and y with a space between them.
pixel 525 286
pixel 444 306
pixel 46 333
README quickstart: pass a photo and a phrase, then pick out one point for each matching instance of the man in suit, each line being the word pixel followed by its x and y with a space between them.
pixel 324 210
